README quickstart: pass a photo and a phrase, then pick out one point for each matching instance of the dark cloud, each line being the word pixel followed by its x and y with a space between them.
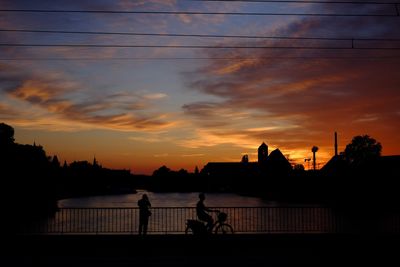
pixel 200 109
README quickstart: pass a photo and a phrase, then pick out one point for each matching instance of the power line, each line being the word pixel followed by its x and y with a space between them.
pixel 198 46
pixel 301 2
pixel 396 14
pixel 199 35
pixel 199 58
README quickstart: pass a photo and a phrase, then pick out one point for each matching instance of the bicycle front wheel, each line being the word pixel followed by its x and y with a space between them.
pixel 224 229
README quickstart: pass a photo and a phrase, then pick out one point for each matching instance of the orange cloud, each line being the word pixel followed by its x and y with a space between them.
pixel 235 66
pixel 35 91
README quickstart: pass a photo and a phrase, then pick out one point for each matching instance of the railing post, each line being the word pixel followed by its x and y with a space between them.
pixel 97 221
pixel 290 219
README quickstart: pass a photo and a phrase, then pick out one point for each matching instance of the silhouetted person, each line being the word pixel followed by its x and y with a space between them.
pixel 202 212
pixel 144 214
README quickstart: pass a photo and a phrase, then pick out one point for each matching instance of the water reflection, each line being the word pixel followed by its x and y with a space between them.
pixel 166 200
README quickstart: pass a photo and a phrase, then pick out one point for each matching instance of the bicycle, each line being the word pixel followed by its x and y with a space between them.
pixel 197 227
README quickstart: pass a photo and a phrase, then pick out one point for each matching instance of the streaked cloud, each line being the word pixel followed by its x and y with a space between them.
pixel 155 96
pixel 163 155
pixel 54 95
pixel 367 118
pixel 209 138
pixel 263 129
pixel 221 114
pixel 192 155
pixel 152 137
pixel 8 112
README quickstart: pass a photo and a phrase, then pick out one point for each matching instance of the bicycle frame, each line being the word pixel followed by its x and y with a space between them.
pixel 200 228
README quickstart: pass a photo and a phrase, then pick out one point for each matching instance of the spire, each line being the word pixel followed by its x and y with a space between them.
pixel 263 145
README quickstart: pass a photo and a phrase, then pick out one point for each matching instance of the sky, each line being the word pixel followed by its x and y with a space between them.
pixel 146 97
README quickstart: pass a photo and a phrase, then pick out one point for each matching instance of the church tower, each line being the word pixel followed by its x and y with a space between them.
pixel 262 153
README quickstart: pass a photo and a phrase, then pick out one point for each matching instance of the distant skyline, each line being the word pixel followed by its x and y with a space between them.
pixel 139 108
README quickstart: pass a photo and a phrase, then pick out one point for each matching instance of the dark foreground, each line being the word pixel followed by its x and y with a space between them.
pixel 181 250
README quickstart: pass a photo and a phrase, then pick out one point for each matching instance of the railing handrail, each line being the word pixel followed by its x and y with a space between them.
pixel 212 207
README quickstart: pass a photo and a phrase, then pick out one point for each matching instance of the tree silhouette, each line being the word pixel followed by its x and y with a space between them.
pixel 298 167
pixel 314 150
pixel 362 148
pixel 6 134
pixel 162 171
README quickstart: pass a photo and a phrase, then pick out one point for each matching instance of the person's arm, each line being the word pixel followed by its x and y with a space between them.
pixel 210 210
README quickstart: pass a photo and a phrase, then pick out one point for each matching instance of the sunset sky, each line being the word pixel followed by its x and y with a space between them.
pixel 146 97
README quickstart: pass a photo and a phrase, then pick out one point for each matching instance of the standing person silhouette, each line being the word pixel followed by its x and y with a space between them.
pixel 144 214
pixel 202 212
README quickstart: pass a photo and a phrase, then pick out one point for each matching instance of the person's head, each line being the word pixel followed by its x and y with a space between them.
pixel 202 196
pixel 145 197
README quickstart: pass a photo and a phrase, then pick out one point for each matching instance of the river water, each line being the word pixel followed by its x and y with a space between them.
pixel 166 200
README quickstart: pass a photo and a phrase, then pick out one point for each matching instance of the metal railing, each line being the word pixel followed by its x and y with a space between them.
pixel 172 220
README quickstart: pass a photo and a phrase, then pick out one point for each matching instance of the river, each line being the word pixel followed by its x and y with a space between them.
pixel 166 200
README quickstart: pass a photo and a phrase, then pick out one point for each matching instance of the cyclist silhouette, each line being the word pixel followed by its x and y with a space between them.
pixel 202 212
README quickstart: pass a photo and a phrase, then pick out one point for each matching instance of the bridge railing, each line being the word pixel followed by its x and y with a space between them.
pixel 172 220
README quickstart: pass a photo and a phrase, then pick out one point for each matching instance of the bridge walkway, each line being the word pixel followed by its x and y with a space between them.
pixel 182 250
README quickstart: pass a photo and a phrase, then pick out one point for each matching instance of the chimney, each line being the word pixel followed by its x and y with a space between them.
pixel 336 144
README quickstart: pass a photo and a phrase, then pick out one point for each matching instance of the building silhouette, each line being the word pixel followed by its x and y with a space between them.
pixel 247 175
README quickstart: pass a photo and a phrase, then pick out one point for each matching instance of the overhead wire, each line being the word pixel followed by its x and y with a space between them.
pixel 395 14
pixel 302 2
pixel 199 35
pixel 197 58
pixel 352 47
pixel 352 40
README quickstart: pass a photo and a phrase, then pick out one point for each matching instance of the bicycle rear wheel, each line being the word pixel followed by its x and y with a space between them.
pixel 224 229
pixel 189 231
